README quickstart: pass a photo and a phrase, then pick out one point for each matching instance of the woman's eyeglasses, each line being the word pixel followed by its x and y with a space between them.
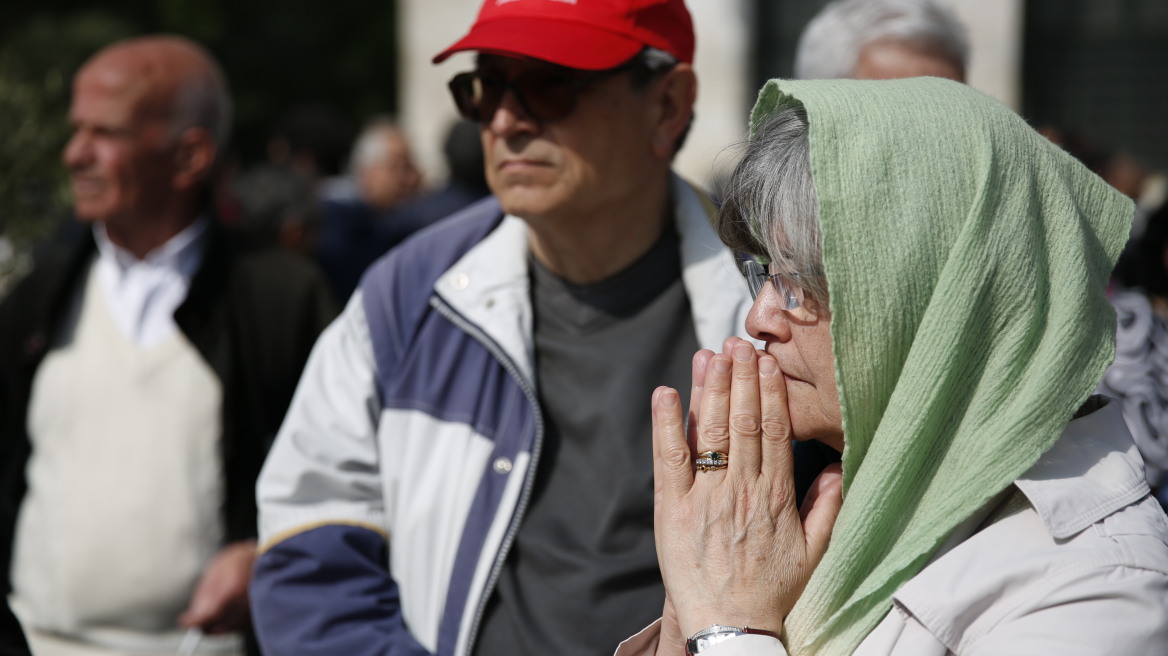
pixel 544 95
pixel 757 276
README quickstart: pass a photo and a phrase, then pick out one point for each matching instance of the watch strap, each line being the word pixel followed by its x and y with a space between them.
pixel 711 636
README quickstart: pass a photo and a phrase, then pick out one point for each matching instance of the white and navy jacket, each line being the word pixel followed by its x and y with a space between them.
pixel 402 471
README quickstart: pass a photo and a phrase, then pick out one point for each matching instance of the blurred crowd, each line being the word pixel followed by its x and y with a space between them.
pixel 345 204
pixel 188 297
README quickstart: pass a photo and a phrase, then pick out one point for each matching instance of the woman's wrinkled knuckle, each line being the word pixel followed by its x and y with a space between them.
pixel 716 433
pixel 746 424
pixel 775 430
pixel 676 458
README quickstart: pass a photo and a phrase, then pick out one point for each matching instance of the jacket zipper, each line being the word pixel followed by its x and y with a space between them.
pixel 528 484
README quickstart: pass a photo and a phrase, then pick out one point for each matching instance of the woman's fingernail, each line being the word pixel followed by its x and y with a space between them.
pixel 743 352
pixel 767 366
pixel 721 365
pixel 668 398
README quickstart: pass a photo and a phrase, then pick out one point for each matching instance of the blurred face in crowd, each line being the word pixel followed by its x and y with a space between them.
pixel 388 176
pixel 121 157
pixel 594 157
pixel 890 60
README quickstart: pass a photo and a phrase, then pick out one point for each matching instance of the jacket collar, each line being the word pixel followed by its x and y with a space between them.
pixel 1093 470
pixel 208 284
pixel 67 267
pixel 489 285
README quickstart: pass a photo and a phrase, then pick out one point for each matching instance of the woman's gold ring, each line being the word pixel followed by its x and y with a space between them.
pixel 710 460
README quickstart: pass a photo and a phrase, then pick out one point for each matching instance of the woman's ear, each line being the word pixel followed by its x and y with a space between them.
pixel 194 156
pixel 674 95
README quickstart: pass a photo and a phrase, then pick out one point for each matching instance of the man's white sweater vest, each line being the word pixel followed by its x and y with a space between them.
pixel 123 510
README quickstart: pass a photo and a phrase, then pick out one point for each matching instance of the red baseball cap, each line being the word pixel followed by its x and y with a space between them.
pixel 589 35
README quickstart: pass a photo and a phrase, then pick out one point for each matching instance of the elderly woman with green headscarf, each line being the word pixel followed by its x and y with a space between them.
pixel 929 277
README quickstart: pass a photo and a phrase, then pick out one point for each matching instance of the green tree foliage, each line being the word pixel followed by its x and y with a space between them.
pixel 276 55
pixel 37 61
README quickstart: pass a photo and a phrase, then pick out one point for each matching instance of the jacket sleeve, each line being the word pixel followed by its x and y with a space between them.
pixel 321 583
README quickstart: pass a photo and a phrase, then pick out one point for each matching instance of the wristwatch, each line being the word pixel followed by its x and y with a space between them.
pixel 707 638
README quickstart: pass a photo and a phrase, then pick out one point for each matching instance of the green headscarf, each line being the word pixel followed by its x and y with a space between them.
pixel 966 259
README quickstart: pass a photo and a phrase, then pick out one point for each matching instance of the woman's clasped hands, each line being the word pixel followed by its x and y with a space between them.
pixel 733 548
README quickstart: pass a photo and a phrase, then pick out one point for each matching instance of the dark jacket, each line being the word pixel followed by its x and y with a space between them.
pixel 252 313
pixel 12 641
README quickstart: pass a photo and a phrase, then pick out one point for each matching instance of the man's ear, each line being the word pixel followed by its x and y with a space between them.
pixel 674 93
pixel 194 156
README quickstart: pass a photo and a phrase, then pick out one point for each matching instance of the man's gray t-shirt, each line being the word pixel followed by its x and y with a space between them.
pixel 582 574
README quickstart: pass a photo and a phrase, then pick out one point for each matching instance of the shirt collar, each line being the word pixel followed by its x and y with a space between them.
pixel 181 253
pixel 1093 470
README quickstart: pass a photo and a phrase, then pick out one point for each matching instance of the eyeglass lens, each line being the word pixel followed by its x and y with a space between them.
pixel 756 277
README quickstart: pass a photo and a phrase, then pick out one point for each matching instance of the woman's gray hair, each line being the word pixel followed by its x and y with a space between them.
pixel 831 43
pixel 770 207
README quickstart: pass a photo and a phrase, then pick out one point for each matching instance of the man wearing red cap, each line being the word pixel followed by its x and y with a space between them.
pixel 466 468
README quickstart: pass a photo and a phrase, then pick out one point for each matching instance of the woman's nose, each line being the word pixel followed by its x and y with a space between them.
pixel 766 320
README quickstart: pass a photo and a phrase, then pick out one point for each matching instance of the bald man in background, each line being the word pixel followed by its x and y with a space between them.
pixel 145 374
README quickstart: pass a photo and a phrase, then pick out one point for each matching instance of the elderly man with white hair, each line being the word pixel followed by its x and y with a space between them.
pixel 883 40
pixel 145 372
pixel 383 166
pixel 356 231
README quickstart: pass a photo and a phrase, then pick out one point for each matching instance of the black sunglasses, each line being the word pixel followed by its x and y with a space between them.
pixel 544 95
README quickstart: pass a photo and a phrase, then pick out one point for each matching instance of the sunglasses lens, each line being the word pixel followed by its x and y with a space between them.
pixel 544 96
pixel 547 96
pixel 476 97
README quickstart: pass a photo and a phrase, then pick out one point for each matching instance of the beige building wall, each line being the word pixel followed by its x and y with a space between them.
pixel 995 35
pixel 425 109
pixel 723 64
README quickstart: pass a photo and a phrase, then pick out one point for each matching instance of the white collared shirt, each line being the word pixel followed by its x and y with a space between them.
pixel 142 294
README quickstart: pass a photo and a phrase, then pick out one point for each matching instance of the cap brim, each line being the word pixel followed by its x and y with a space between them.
pixel 574 45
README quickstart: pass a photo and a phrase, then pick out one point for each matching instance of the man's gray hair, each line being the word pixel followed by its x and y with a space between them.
pixel 831 43
pixel 770 207
pixel 370 148
pixel 653 62
pixel 650 63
